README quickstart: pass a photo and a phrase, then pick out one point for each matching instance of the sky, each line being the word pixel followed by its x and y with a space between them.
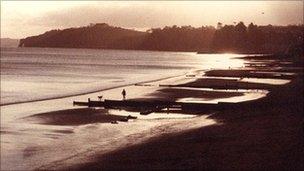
pixel 20 19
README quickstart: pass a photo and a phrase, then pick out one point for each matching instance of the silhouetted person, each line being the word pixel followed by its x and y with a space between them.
pixel 124 94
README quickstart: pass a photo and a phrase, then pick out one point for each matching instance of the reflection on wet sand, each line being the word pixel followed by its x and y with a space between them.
pixel 76 135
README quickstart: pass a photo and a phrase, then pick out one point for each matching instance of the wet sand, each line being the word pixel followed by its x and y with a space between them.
pixel 74 117
pixel 53 134
pixel 84 138
pixel 173 94
pixel 268 137
pixel 270 141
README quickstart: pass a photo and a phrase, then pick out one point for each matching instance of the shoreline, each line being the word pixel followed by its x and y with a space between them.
pixel 91 92
pixel 155 128
pixel 45 118
pixel 267 137
pixel 254 141
pixel 79 136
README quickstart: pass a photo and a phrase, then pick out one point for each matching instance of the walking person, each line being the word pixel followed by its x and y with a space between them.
pixel 124 94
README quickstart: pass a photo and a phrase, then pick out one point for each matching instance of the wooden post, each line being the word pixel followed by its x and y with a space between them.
pixel 167 109
pixel 89 104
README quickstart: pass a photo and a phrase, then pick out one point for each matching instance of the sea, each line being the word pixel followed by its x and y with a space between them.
pixel 31 74
pixel 42 130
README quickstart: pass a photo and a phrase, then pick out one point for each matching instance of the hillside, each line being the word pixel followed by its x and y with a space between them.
pixel 237 38
pixel 94 36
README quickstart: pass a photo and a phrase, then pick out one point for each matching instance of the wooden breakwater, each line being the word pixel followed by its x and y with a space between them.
pixel 149 106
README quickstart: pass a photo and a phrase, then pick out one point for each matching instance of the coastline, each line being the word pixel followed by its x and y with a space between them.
pixel 97 138
pixel 174 85
pixel 267 137
pixel 36 123
pixel 91 92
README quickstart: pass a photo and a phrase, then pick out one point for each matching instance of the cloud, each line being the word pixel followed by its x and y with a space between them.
pixel 26 19
pixel 125 16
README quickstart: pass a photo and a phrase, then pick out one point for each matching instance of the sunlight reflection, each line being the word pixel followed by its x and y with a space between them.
pixel 223 61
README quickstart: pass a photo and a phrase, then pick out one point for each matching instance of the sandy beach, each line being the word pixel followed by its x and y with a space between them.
pixel 54 131
pixel 266 137
pixel 151 85
pixel 237 138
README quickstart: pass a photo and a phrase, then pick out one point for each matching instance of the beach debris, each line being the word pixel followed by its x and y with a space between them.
pixel 138 84
pixel 124 119
pixel 114 122
pixel 146 112
pixel 131 117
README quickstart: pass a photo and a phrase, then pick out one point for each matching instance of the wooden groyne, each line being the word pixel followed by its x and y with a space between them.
pixel 251 74
pixel 147 107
